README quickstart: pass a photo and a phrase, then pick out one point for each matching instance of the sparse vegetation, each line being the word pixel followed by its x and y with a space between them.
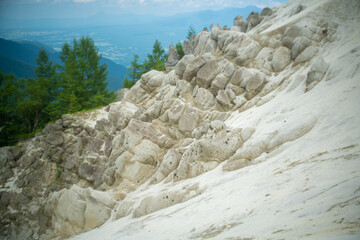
pixel 58 172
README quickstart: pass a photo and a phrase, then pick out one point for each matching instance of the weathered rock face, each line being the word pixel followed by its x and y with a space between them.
pixel 173 58
pixel 80 172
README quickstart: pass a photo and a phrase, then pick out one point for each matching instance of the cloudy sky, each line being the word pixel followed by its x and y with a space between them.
pixel 25 9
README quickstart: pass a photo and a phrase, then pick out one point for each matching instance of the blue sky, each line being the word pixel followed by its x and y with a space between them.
pixel 37 9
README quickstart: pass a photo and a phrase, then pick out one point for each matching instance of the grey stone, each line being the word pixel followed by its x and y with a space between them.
pixel 317 71
pixel 253 20
pixel 53 127
pixel 214 33
pixel 72 163
pixel 189 45
pixel 306 55
pixel 266 12
pixel 281 59
pixel 193 67
pixel 204 99
pixel 55 139
pixel 219 82
pixel 120 93
pixel 207 73
pixel 182 64
pixel 189 120
pixel 5 156
pixel 88 172
pixel 298 9
pixel 255 84
pixel 173 58
pixel 298 31
pixel 299 44
pixel 5 199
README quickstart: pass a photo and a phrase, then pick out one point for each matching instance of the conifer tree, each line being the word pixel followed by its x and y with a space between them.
pixel 179 50
pixel 134 71
pixel 128 83
pixel 191 32
pixel 82 76
pixel 156 60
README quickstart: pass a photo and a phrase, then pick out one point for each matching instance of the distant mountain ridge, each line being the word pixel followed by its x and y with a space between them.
pixel 198 18
pixel 19 58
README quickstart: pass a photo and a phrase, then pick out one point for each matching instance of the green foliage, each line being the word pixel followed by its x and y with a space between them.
pixel 179 50
pixel 156 60
pixel 128 83
pixel 26 105
pixel 28 135
pixel 58 172
pixel 191 32
pixel 11 94
pixel 134 71
pixel 82 78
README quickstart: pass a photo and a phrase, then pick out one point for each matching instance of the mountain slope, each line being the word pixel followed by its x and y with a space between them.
pixel 253 135
pixel 18 68
pixel 19 58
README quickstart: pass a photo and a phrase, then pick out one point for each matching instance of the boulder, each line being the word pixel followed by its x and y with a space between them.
pixel 317 71
pixel 6 156
pixel 121 93
pixel 306 55
pixel 68 210
pixel 169 163
pixel 240 22
pixel 245 54
pixel 297 31
pixel 299 44
pixel 204 99
pixel 236 78
pixel 214 33
pixel 189 120
pixel 219 83
pixel 88 171
pixel 96 213
pixel 193 67
pixel 182 64
pixel 147 152
pixel 189 45
pixel 225 97
pixel 173 58
pixel 298 9
pixel 207 73
pixel 281 58
pixel 176 111
pixel 52 127
pixel 255 84
pixel 266 12
pixel 138 172
pixel 253 20
pixel 55 138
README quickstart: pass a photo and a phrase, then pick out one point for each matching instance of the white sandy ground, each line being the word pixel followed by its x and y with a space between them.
pixel 308 188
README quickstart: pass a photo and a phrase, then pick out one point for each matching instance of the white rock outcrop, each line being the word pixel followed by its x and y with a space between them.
pixel 255 124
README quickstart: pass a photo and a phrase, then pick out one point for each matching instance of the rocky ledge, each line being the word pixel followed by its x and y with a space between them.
pixel 227 104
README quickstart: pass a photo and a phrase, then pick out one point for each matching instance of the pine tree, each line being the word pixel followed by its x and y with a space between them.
pixel 179 50
pixel 128 83
pixel 11 93
pixel 191 32
pixel 82 76
pixel 156 60
pixel 46 74
pixel 74 105
pixel 134 71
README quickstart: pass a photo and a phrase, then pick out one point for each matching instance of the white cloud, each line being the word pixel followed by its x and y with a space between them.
pixel 84 1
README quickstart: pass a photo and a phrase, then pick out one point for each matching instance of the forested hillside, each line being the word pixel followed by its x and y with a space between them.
pixel 19 58
pixel 78 83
